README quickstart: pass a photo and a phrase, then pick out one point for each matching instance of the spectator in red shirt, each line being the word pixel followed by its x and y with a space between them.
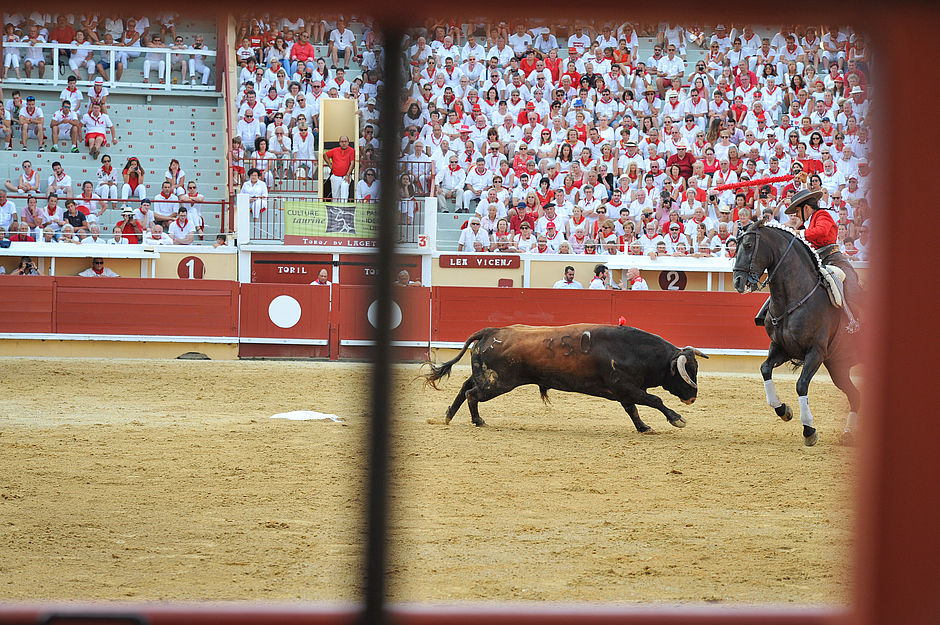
pixel 22 233
pixel 63 31
pixel 683 159
pixel 130 227
pixel 340 160
pixel 302 53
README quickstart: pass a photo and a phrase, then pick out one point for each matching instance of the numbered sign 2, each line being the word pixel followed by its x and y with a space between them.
pixel 191 268
pixel 672 280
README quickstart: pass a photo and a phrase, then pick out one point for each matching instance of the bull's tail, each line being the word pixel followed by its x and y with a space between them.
pixel 443 370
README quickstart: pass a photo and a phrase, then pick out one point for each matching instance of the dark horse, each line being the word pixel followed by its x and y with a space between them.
pixel 803 325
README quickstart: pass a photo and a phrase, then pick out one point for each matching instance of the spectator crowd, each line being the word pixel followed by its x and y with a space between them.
pixel 288 65
pixel 61 211
pixel 53 207
pixel 566 139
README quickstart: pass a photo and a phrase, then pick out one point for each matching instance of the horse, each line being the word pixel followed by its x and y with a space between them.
pixel 803 325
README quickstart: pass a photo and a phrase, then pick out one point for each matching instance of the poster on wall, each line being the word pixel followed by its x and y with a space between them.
pixel 349 224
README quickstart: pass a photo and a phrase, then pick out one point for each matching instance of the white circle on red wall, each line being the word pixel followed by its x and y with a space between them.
pixel 284 311
pixel 373 314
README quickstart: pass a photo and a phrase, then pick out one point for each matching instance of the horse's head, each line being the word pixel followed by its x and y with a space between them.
pixel 751 258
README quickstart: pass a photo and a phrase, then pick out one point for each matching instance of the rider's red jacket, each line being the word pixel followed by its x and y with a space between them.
pixel 822 229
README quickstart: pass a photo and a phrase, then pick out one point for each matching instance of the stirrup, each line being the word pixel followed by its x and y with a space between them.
pixel 852 327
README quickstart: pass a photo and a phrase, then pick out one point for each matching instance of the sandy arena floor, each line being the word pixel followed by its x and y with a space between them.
pixel 126 479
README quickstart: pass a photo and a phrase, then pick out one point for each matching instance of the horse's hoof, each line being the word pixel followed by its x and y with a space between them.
pixel 678 422
pixel 481 423
pixel 650 431
pixel 784 412
pixel 847 439
pixel 810 436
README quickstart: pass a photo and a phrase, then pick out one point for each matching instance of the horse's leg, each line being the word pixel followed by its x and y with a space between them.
pixel 840 377
pixel 811 365
pixel 775 358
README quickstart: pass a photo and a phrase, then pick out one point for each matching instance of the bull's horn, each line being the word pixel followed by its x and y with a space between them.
pixel 697 352
pixel 680 365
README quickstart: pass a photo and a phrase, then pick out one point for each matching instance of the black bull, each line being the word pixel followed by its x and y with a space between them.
pixel 614 362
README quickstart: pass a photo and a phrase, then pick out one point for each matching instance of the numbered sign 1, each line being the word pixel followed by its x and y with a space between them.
pixel 191 268
pixel 672 280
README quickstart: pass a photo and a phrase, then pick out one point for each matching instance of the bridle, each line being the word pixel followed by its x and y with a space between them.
pixel 752 275
pixel 757 285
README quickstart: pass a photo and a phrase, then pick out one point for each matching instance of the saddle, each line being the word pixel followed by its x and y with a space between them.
pixel 833 276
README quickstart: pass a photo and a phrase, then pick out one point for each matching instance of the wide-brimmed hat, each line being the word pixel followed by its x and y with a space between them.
pixel 804 197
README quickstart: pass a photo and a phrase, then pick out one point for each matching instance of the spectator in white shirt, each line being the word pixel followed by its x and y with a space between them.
pixel 342 40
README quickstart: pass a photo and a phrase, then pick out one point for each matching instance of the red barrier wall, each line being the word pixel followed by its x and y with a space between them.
pixel 256 319
pixel 26 303
pixel 337 317
pixel 353 318
pixel 146 306
pixel 706 319
pixel 313 323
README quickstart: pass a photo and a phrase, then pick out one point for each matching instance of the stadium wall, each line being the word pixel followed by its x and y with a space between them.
pixel 160 318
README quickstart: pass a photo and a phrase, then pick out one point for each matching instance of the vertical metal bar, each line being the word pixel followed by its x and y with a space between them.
pixel 377 497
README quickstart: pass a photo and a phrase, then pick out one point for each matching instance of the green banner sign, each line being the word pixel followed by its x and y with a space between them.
pixel 328 223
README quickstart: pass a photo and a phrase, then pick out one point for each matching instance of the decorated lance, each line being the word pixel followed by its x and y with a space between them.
pixel 754 183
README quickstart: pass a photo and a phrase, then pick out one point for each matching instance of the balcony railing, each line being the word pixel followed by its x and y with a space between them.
pixel 61 51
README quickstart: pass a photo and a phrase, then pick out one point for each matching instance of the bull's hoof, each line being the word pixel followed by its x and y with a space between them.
pixel 810 436
pixel 784 412
pixel 678 422
pixel 481 423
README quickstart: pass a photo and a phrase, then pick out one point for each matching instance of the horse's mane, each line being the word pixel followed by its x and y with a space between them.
pixel 799 237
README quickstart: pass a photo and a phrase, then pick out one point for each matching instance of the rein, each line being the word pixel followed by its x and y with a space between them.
pixel 753 279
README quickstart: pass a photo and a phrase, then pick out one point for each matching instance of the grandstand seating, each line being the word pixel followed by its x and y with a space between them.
pixel 449 225
pixel 155 127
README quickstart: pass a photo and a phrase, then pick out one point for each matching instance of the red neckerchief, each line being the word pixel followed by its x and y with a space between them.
pixel 181 224
pixel 98 271
pixel 53 211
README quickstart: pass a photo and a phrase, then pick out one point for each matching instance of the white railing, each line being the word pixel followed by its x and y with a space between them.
pixel 59 76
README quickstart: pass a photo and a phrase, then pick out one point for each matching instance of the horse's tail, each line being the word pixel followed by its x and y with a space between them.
pixel 443 370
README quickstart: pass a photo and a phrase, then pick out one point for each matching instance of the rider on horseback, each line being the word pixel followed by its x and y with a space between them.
pixel 821 233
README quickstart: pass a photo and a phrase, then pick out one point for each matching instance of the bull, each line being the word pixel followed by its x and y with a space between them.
pixel 614 362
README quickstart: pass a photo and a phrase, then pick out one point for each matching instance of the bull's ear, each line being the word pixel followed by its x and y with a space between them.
pixel 672 365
